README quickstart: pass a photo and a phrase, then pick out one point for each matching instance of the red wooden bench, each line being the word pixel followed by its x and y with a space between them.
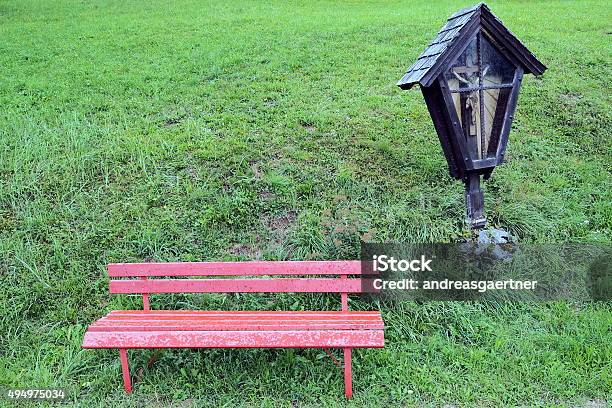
pixel 154 329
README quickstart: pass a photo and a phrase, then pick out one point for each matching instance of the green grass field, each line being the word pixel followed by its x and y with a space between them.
pixel 187 130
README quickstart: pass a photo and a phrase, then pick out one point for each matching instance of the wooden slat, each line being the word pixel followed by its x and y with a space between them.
pixel 256 318
pixel 239 318
pixel 186 321
pixel 221 326
pixel 261 313
pixel 235 339
pixel 256 268
pixel 241 315
pixel 277 285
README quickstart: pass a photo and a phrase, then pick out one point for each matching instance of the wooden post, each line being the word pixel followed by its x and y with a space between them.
pixel 474 201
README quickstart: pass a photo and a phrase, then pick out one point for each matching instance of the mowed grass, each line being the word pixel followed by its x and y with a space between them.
pixel 185 130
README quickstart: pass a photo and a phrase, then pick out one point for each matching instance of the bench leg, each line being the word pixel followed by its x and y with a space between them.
pixel 127 384
pixel 348 375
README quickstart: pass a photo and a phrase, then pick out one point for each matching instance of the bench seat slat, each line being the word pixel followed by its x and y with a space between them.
pixel 239 314
pixel 185 321
pixel 259 313
pixel 263 320
pixel 280 285
pixel 236 339
pixel 153 322
pixel 254 268
pixel 194 326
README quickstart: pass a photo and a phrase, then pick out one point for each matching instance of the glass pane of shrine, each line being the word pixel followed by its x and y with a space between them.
pixel 463 79
pixel 497 70
pixel 481 125
pixel 498 75
pixel 495 104
pixel 464 72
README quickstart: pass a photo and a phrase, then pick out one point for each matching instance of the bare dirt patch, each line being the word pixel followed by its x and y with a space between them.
pixel 308 126
pixel 278 225
pixel 246 251
pixel 173 121
pixel 257 173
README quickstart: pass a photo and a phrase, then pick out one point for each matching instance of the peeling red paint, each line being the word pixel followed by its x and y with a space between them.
pixel 276 285
pixel 235 339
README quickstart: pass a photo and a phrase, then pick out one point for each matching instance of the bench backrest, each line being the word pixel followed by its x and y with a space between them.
pixel 298 276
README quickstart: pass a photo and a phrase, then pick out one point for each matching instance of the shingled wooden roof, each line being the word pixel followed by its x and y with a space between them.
pixel 449 42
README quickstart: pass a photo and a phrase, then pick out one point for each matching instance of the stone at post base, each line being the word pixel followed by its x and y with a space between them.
pixel 499 244
pixel 486 236
pixel 494 236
